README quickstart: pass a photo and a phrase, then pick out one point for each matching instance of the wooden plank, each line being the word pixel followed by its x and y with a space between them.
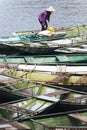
pixel 62 58
pixel 56 93
pixel 47 99
pixel 3 126
pixel 59 78
pixel 76 98
pixel 82 80
pixel 17 109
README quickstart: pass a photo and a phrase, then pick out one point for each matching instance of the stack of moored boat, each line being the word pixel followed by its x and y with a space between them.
pixel 48 86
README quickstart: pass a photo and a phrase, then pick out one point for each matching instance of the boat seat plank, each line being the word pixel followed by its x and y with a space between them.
pixel 46 98
pixel 82 80
pixel 56 93
pixel 62 58
pixel 59 78
pixel 76 99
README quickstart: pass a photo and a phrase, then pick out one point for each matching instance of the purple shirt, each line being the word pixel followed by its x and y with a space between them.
pixel 44 16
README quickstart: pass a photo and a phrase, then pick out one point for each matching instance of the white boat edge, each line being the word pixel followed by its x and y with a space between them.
pixel 55 69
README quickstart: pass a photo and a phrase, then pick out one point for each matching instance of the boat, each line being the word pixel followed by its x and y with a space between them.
pixel 66 81
pixel 68 41
pixel 28 110
pixel 43 96
pixel 6 49
pixel 60 108
pixel 21 48
pixel 35 49
pixel 79 49
pixel 21 44
pixel 47 35
pixel 24 45
pixel 63 120
pixel 43 99
pixel 46 59
pixel 79 69
pixel 70 31
pixel 74 80
pixel 38 36
pixel 58 68
pixel 35 37
pixel 31 44
pixel 42 109
pixel 74 50
pixel 71 81
pixel 22 89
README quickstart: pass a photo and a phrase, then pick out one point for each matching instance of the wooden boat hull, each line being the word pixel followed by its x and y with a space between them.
pixel 38 38
pixel 59 68
pixel 62 80
pixel 73 50
pixel 36 50
pixel 9 48
pixel 24 37
pixel 46 59
pixel 80 88
pixel 60 108
pixel 71 31
pixel 9 97
pixel 27 43
pixel 55 69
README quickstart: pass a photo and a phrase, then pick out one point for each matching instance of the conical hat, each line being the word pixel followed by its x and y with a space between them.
pixel 50 9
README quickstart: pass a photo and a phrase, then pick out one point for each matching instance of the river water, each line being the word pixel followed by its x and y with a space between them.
pixel 22 15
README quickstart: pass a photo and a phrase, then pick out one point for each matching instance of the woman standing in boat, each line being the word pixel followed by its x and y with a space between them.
pixel 44 17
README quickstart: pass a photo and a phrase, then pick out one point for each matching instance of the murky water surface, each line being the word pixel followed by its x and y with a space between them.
pixel 21 15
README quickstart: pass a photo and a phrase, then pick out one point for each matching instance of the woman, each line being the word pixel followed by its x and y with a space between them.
pixel 44 17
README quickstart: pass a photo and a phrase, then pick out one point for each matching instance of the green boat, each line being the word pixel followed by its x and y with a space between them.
pixel 17 44
pixel 66 59
pixel 25 89
pixel 34 43
pixel 56 68
pixel 60 108
pixel 40 110
pixel 43 99
pixel 43 47
pixel 57 123
pixel 66 81
pixel 68 32
pixel 41 36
